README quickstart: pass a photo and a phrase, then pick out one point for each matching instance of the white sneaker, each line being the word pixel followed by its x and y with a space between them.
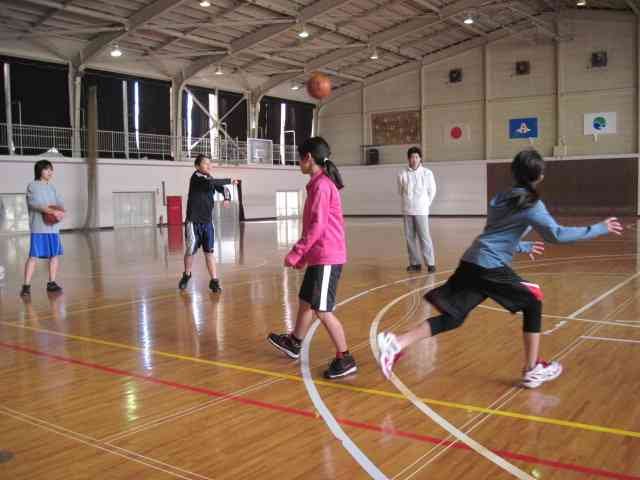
pixel 389 350
pixel 541 373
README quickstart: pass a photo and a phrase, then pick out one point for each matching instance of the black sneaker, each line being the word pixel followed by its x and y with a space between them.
pixel 53 287
pixel 414 268
pixel 285 344
pixel 431 268
pixel 26 291
pixel 214 285
pixel 341 367
pixel 184 281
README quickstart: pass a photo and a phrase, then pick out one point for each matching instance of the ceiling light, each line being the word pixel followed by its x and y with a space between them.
pixel 469 19
pixel 205 3
pixel 295 86
pixel 581 3
pixel 374 54
pixel 303 33
pixel 116 52
pixel 219 70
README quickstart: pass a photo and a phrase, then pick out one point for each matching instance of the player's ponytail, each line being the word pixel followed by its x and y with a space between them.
pixel 320 152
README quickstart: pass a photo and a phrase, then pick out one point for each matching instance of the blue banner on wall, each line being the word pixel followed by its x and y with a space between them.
pixel 523 128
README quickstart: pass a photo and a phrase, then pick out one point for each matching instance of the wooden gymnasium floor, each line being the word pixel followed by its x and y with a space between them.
pixel 124 377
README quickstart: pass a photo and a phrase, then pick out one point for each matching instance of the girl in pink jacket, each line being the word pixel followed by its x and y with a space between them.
pixel 322 249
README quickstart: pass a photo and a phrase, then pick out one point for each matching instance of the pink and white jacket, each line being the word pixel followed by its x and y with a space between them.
pixel 323 239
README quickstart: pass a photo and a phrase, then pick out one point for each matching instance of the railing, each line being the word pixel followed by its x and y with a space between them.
pixel 36 140
pixel 27 138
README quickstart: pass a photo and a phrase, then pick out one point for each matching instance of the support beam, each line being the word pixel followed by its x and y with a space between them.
pixel 177 35
pixel 638 83
pixel 633 6
pixel 552 4
pixel 543 27
pixel 487 131
pixel 306 48
pixel 73 86
pixel 77 118
pixel 431 59
pixel 45 18
pixel 176 120
pixel 234 106
pixel 216 123
pixel 597 16
pixel 301 65
pixel 428 4
pixel 91 219
pixel 233 9
pixel 423 118
pixel 376 11
pixel 253 39
pixel 252 119
pixel 84 12
pixel 143 16
pixel 218 22
pixel 558 49
pixel 363 106
pixel 60 32
pixel 380 38
pixel 11 146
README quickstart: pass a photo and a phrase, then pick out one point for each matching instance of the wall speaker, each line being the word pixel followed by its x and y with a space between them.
pixel 599 59
pixel 455 75
pixel 523 67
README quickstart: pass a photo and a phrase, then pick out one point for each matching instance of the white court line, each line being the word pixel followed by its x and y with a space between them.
pixel 496 404
pixel 312 391
pixel 429 412
pixel 439 420
pixel 481 418
pixel 348 444
pixel 563 353
pixel 604 295
pixel 594 302
pixel 252 388
pixel 616 323
pixel 608 339
pixel 80 438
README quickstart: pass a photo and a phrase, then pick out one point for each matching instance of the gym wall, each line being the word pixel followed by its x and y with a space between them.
pixel 582 89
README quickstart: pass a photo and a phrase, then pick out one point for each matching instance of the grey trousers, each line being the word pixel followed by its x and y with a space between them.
pixel 416 231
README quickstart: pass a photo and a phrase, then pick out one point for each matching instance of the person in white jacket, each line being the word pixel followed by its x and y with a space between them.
pixel 417 188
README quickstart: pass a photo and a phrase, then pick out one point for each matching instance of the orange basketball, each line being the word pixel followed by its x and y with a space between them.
pixel 51 219
pixel 319 86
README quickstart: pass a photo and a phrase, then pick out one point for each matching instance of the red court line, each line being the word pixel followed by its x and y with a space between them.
pixel 308 414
